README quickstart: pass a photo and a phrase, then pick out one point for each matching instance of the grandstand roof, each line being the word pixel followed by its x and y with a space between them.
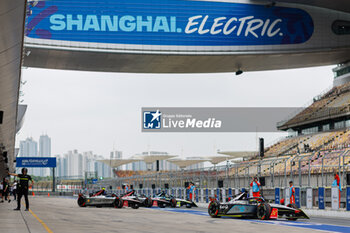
pixel 238 154
pixel 151 158
pixel 183 163
pixel 118 162
pixel 218 158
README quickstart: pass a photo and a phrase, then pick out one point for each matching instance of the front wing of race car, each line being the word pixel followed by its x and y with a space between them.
pixel 183 202
pixel 289 212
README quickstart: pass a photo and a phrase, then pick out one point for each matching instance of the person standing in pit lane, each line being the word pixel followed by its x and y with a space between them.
pixel 5 191
pixel 256 187
pixel 23 186
pixel 291 193
pixel 1 189
pixel 191 190
pixel 14 190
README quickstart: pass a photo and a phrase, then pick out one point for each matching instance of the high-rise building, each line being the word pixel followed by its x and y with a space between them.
pixel 74 164
pixel 116 155
pixel 61 170
pixel 102 169
pixel 44 151
pixel 88 163
pixel 29 148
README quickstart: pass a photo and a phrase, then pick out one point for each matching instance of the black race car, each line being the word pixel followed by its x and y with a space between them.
pixel 164 200
pixel 174 202
pixel 143 199
pixel 130 200
pixel 102 199
pixel 253 207
pixel 99 199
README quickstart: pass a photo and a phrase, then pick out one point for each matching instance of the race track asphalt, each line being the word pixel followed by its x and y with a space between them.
pixel 53 214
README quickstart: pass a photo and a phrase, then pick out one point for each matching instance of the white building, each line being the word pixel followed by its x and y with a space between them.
pixel 74 164
pixel 29 148
pixel 44 151
pixel 102 169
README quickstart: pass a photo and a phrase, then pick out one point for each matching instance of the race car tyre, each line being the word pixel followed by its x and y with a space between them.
pixel 119 203
pixel 116 202
pixel 161 204
pixel 173 203
pixel 188 205
pixel 81 202
pixel 264 211
pixel 148 202
pixel 213 209
pixel 135 205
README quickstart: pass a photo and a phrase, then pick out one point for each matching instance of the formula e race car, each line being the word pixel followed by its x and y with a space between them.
pixel 101 199
pixel 174 202
pixel 163 200
pixel 253 207
pixel 143 200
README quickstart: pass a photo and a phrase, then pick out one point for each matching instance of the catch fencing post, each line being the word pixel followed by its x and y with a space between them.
pixel 277 196
pixel 335 198
pixel 321 203
pixel 309 198
pixel 348 198
pixel 297 196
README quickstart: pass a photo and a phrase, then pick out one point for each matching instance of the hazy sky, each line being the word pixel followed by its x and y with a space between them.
pixel 101 111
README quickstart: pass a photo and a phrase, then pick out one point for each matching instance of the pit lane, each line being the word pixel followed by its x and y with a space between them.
pixel 64 215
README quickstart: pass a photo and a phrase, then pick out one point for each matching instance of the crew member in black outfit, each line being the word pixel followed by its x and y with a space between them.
pixel 22 189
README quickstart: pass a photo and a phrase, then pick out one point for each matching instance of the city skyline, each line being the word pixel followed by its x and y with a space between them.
pixel 80 164
pixel 31 148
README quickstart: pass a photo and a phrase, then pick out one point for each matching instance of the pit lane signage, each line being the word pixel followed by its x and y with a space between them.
pixel 35 162
pixel 167 22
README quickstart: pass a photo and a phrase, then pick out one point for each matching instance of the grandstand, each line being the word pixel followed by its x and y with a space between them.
pixel 327 112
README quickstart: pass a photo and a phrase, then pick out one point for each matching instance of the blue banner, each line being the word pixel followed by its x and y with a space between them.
pixel 230 192
pixel 277 195
pixel 297 197
pixel 321 204
pixel 167 22
pixel 348 198
pixel 35 162
pixel 207 195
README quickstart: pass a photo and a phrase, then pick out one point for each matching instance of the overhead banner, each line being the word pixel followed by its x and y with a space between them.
pixel 187 119
pixel 167 22
pixel 35 162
